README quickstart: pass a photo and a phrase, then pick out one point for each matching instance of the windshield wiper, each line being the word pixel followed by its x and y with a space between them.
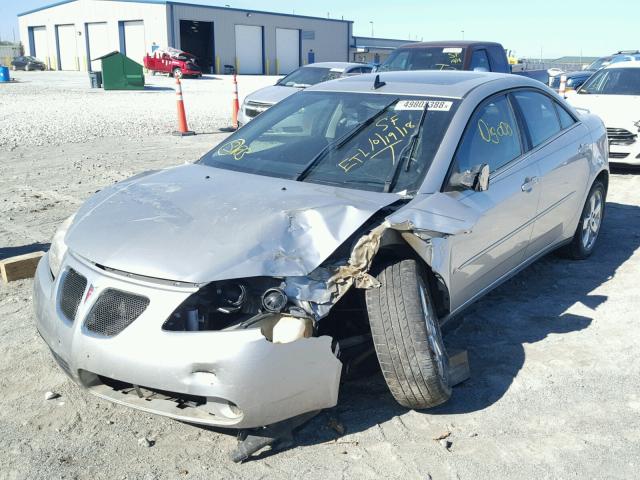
pixel 409 149
pixel 337 144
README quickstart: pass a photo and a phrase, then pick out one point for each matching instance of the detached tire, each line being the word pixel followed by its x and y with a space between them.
pixel 588 229
pixel 407 337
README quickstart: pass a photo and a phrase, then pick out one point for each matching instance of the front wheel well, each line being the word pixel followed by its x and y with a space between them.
pixel 603 176
pixel 437 286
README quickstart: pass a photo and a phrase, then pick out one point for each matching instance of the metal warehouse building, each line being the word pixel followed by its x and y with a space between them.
pixel 67 35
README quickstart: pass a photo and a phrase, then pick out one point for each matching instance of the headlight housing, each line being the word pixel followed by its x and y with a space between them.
pixel 58 247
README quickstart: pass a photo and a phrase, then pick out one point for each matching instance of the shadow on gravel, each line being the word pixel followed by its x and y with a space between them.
pixel 8 252
pixel 526 309
pixel 155 88
pixel 622 169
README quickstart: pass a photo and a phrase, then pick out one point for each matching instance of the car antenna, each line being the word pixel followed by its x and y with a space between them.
pixel 377 83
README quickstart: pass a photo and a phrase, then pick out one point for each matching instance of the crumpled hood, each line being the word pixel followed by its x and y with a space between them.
pixel 616 111
pixel 197 224
pixel 272 94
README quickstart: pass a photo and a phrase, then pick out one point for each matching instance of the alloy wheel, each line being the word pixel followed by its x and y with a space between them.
pixel 592 220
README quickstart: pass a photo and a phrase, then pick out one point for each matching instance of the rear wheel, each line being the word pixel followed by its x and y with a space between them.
pixel 588 229
pixel 177 73
pixel 27 67
pixel 407 336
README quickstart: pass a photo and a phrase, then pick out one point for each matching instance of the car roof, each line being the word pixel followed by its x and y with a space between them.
pixel 434 83
pixel 343 65
pixel 627 64
pixel 451 43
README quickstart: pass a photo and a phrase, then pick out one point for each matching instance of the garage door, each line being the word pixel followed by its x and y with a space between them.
pixel 249 49
pixel 98 43
pixel 40 46
pixel 134 45
pixel 287 50
pixel 67 47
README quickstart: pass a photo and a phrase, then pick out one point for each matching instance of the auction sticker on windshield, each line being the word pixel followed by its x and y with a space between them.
pixel 434 105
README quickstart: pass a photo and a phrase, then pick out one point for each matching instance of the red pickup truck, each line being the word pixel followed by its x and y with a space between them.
pixel 173 62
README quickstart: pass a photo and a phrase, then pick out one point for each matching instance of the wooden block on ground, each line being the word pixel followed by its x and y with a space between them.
pixel 22 266
pixel 458 367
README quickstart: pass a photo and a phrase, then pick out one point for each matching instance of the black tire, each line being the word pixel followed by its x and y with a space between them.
pixel 416 374
pixel 579 249
pixel 27 67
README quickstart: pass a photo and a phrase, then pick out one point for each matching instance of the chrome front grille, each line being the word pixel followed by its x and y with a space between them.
pixel 73 286
pixel 114 311
pixel 253 109
pixel 620 136
pixel 618 155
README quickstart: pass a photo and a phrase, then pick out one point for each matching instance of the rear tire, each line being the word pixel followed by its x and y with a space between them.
pixel 27 67
pixel 588 229
pixel 407 337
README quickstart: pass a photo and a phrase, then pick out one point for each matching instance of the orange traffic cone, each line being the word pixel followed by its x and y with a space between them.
pixel 235 108
pixel 183 130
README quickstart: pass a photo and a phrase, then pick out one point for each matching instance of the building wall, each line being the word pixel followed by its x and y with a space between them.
pixel 80 12
pixel 331 42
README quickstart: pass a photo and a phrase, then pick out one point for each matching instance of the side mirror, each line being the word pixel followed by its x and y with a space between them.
pixel 475 179
pixel 481 182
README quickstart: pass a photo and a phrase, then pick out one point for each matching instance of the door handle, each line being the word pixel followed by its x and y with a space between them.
pixel 528 184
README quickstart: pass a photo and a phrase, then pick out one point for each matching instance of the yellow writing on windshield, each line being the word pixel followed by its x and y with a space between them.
pixel 454 58
pixel 236 148
pixel 493 134
pixel 387 132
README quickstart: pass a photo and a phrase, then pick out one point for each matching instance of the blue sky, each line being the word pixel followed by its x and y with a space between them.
pixel 558 28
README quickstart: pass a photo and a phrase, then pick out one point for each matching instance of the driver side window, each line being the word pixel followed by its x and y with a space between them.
pixel 492 137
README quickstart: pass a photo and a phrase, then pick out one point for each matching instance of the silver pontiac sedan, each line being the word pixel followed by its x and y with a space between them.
pixel 362 213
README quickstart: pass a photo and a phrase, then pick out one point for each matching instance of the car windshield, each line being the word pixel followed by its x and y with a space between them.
pixel 599 63
pixel 365 141
pixel 307 76
pixel 613 81
pixel 428 58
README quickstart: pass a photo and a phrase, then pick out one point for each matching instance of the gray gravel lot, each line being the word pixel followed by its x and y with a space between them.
pixel 55 108
pixel 555 387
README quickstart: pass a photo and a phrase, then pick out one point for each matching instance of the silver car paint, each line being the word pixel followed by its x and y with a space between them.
pixel 271 94
pixel 214 229
pixel 174 224
pixel 268 382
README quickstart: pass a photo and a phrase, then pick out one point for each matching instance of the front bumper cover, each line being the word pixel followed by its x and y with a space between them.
pixel 246 380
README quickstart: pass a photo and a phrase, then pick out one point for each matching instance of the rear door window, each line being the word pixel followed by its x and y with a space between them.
pixel 539 115
pixel 491 137
pixel 480 60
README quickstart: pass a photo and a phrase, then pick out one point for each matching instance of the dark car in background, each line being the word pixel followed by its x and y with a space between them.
pixel 27 63
pixel 476 56
pixel 448 55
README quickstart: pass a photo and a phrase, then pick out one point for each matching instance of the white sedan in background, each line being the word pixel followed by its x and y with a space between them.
pixel 613 93
pixel 301 78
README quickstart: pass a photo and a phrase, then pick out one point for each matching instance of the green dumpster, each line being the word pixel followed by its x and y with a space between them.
pixel 120 72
